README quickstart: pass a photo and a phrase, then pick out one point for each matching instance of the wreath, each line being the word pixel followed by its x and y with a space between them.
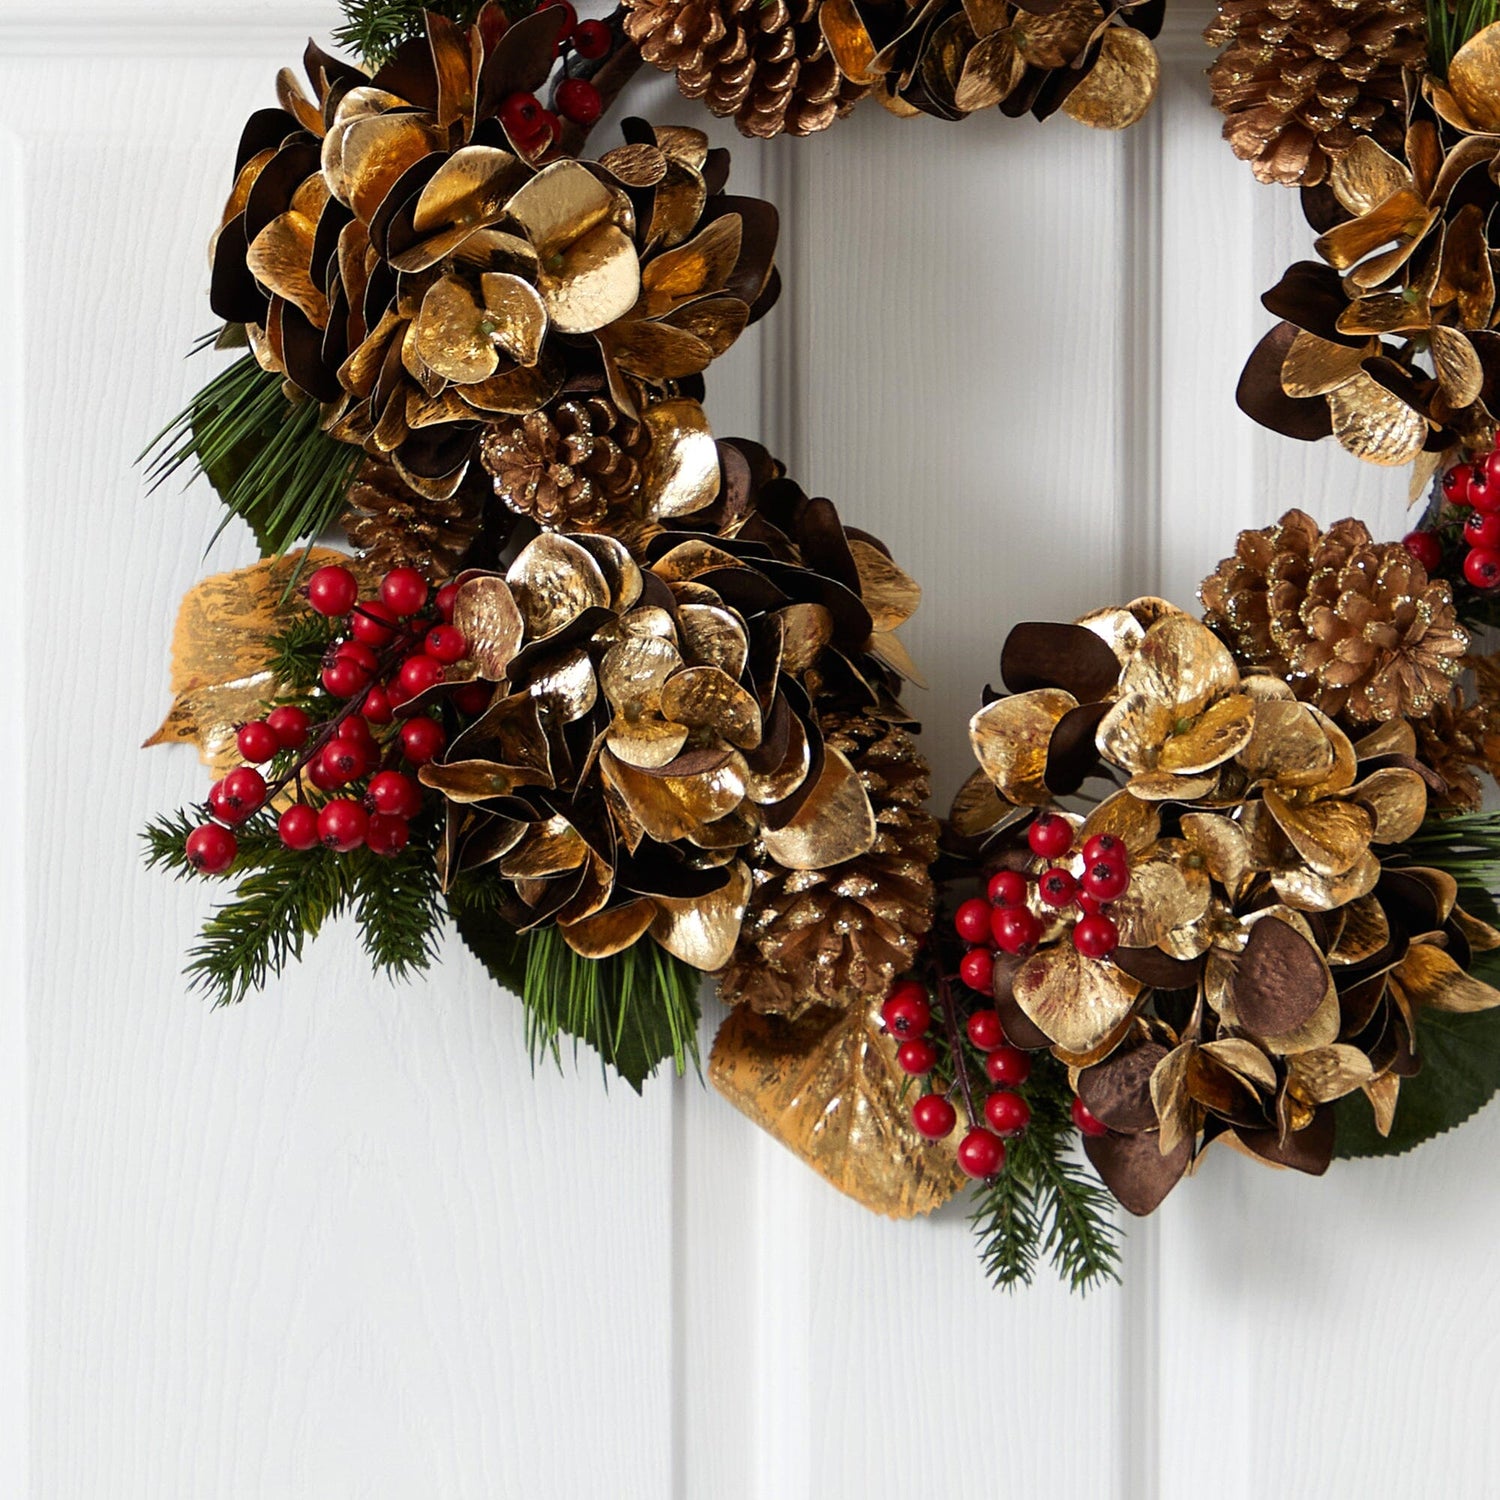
pixel 619 701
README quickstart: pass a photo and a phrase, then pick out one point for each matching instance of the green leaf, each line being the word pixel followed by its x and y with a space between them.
pixel 636 1009
pixel 1460 1073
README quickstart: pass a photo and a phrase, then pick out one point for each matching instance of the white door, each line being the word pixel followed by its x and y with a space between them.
pixel 338 1243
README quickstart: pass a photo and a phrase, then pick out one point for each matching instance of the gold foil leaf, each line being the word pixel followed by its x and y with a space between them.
pixel 1288 746
pixel 1429 975
pixel 1163 894
pixel 681 470
pixel 682 796
pixel 714 636
pixel 1398 799
pixel 485 611
pixel 706 698
pixel 828 1088
pixel 1366 175
pixel 553 581
pixel 978 808
pixel 453 333
pixel 1076 1001
pixel 1126 817
pixel 1011 737
pixel 834 824
pixel 702 930
pixel 1222 845
pixel 848 39
pixel 515 317
pixel 593 282
pixel 890 594
pixel 610 931
pixel 1474 78
pixel 1120 86
pixel 634 671
pixel 1330 835
pixel 1327 1073
pixel 693 270
pixel 1052 39
pixel 1457 366
pixel 1374 424
pixel 1314 366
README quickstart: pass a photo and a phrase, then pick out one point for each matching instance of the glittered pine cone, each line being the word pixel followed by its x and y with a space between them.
pixel 1298 81
pixel 763 62
pixel 1452 741
pixel 839 936
pixel 1355 625
pixel 565 465
pixel 394 527
pixel 526 277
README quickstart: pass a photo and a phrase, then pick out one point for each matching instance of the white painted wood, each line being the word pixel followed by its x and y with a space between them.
pixel 339 1242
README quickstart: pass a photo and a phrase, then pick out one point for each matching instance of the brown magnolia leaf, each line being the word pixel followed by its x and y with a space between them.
pixel 828 1088
pixel 219 678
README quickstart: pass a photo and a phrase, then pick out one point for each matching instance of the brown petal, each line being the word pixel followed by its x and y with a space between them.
pixel 1117 1092
pixel 1136 1169
pixel 1280 980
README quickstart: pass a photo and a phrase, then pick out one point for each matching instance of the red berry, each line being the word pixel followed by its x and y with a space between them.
pixel 521 115
pixel 972 921
pixel 420 672
pixel 985 1030
pixel 1490 463
pixel 373 624
pixel 386 834
pixel 1007 888
pixel 1106 846
pixel 1483 492
pixel 359 654
pixel 1056 886
pixel 570 21
pixel 289 725
pixel 579 101
pixel 1088 905
pixel 592 40
pixel 1096 937
pixel 1482 529
pixel 392 792
pixel 473 698
pixel 1085 1121
pixel 257 741
pixel 443 600
pixel 376 706
pixel 421 739
pixel 343 760
pixel 332 590
pixel 1105 880
pixel 320 778
pixel 934 1117
pixel 981 1153
pixel 445 644
pixel 1428 550
pixel 298 826
pixel 395 694
pixel 1482 568
pixel 242 792
pixel 906 1012
pixel 404 590
pixel 1008 1114
pixel 551 130
pixel 1456 484
pixel 343 678
pixel 916 1057
pixel 342 824
pixel 975 967
pixel 1050 836
pixel 211 849
pixel 1015 929
pixel 357 728
pixel 1008 1065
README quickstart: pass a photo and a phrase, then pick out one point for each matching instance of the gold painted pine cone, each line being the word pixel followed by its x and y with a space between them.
pixel 394 527
pixel 839 936
pixel 762 62
pixel 1355 625
pixel 1298 81
pixel 565 465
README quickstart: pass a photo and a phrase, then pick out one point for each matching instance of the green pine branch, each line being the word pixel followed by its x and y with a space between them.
pixel 294 653
pixel 374 29
pixel 1046 1202
pixel 268 457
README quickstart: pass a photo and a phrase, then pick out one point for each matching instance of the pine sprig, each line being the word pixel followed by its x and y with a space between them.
pixel 374 29
pixel 267 457
pixel 397 904
pixel 1450 23
pixel 1046 1202
pixel 294 653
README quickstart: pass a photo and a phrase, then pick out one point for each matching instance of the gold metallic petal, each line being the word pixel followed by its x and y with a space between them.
pixel 1314 366
pixel 702 930
pixel 1457 366
pixel 1374 424
pixel 470 188
pixel 1289 746
pixel 1428 975
pixel 1120 86
pixel 593 282
pixel 634 671
pixel 714 636
pixel 834 824
pixel 1165 892
pixel 611 931
pixel 374 152
pixel 1217 734
pixel 1126 817
pixel 454 333
pixel 1330 835
pixel 681 471
pixel 1398 799
pixel 514 317
pixel 670 807
pixel 1365 176
pixel 565 689
pixel 1474 78
pixel 1327 1073
pixel 1176 1112
pixel 768 788
pixel 1075 1001
pixel 887 591
pixel 553 581
pixel 648 744
pixel 485 611
pixel 563 202
pixel 1365 932
pixel 706 698
pixel 552 847
pixel 1306 890
pixel 978 808
pixel 805 630
pixel 699 268
pixel 1011 737
pixel 280 258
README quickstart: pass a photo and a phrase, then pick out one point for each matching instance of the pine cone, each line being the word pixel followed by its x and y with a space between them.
pixel 394 527
pixel 1299 80
pixel 763 61
pixel 564 465
pixel 1355 625
pixel 1451 740
pixel 841 935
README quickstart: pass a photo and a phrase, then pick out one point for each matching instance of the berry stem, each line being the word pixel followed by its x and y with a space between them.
pixel 956 1046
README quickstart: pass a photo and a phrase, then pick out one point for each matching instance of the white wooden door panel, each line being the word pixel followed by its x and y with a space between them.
pixel 338 1242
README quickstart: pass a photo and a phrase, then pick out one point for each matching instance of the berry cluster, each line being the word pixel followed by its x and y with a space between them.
pixel 353 769
pixel 1473 490
pixel 908 1016
pixel 1011 920
pixel 533 127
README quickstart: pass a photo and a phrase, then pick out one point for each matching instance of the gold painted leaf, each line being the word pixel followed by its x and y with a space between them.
pixel 1120 86
pixel 1429 975
pixel 1075 1001
pixel 1474 78
pixel 1397 798
pixel 1327 1073
pixel 1330 835
pixel 707 698
pixel 828 1088
pixel 485 611
pixel 1366 175
pixel 834 824
pixel 1457 365
pixel 681 471
pixel 1011 737
pixel 702 930
pixel 453 333
pixel 1374 424
pixel 671 804
pixel 553 581
pixel 887 591
pixel 1314 366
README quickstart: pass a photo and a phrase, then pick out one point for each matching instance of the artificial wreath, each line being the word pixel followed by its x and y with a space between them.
pixel 620 701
